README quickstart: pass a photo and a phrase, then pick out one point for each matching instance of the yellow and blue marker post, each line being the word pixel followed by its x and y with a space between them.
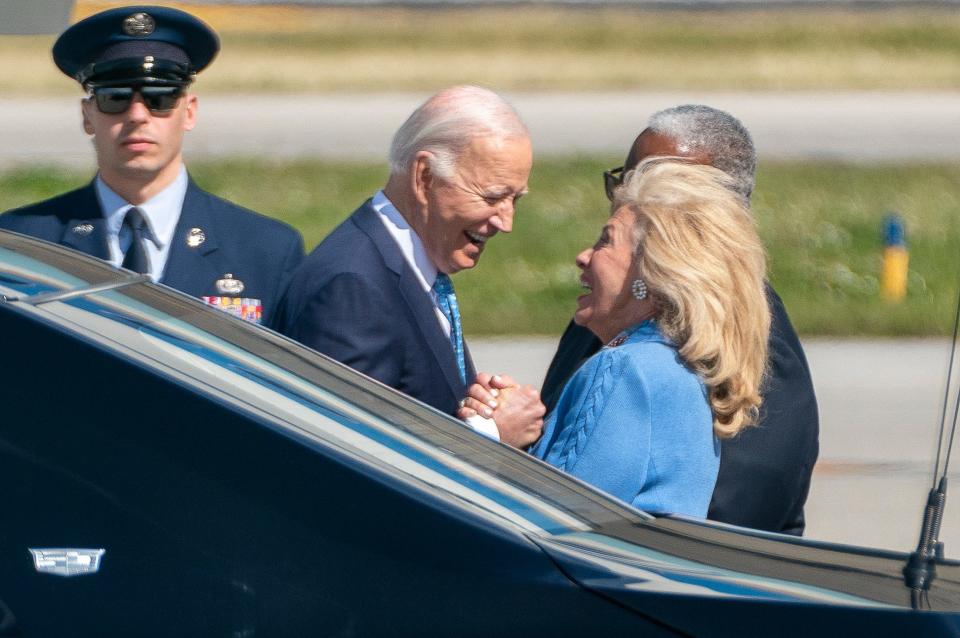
pixel 896 260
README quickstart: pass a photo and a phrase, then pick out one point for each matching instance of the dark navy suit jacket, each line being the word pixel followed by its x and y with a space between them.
pixel 356 299
pixel 765 470
pixel 259 251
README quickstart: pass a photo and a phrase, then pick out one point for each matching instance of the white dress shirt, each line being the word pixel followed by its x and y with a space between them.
pixel 413 251
pixel 161 213
pixel 416 255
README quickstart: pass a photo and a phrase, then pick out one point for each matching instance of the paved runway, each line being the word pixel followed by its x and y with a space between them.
pixel 855 126
pixel 880 405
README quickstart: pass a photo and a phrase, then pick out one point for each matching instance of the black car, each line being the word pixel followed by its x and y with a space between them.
pixel 170 470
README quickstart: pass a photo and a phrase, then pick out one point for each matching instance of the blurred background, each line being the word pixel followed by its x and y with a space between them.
pixel 854 106
pixel 854 110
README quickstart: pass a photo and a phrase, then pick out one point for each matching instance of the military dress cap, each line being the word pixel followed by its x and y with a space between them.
pixel 145 44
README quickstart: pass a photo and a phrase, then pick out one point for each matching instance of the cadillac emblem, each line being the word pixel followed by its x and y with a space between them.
pixel 229 286
pixel 139 25
pixel 67 561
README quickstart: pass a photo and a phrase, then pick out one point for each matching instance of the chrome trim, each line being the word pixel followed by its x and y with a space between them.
pixel 67 561
pixel 63 295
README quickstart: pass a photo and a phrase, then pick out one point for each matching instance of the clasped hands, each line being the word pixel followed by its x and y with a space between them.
pixel 516 409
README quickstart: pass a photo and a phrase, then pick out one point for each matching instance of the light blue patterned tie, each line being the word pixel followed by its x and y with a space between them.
pixel 447 300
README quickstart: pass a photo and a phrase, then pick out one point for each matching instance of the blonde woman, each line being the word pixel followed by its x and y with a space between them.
pixel 675 287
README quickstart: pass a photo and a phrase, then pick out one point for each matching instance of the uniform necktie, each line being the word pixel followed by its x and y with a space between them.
pixel 447 300
pixel 136 258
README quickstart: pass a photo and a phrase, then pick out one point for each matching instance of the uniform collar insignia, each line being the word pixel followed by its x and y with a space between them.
pixel 195 237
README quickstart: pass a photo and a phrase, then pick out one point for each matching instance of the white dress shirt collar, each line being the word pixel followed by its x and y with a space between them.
pixel 410 243
pixel 413 251
pixel 161 212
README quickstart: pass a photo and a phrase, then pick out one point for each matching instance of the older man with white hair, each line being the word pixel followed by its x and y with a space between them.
pixel 376 294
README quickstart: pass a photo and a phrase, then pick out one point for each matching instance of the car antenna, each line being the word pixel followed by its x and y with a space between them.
pixel 920 569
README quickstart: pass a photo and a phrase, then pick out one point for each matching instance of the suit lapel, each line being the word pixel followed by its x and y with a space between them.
pixel 86 230
pixel 189 267
pixel 416 298
pixel 468 359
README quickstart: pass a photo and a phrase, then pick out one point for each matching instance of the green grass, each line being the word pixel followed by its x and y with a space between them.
pixel 538 48
pixel 821 224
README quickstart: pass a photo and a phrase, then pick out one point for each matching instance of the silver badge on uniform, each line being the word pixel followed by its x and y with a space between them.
pixel 139 24
pixel 67 561
pixel 229 286
pixel 83 229
pixel 195 237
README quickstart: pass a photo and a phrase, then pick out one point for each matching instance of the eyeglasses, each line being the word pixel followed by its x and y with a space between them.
pixel 612 180
pixel 117 99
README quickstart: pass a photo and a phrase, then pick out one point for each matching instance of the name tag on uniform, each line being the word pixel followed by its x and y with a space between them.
pixel 247 308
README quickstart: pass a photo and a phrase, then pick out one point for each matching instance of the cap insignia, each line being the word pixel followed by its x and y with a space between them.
pixel 139 24
pixel 83 229
pixel 229 286
pixel 195 237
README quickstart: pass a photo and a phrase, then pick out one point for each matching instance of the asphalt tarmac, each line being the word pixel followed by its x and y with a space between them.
pixel 880 403
pixel 851 126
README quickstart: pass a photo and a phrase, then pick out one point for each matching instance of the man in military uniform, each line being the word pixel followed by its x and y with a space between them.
pixel 142 211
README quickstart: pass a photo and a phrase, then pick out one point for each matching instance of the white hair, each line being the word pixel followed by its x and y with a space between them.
pixel 446 123
pixel 716 134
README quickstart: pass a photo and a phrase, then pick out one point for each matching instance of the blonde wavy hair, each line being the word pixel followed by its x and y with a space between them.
pixel 698 251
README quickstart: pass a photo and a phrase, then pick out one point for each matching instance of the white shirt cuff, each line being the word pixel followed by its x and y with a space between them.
pixel 485 426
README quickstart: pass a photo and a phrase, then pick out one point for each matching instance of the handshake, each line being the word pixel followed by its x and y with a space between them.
pixel 516 411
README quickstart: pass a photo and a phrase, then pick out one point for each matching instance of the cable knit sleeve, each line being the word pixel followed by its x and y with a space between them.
pixel 600 430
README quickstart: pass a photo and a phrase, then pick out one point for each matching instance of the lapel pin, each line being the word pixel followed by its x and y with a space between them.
pixel 195 237
pixel 83 229
pixel 229 286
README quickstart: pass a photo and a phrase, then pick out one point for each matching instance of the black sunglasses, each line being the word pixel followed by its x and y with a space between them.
pixel 612 180
pixel 117 99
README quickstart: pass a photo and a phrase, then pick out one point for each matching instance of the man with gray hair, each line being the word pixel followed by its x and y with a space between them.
pixel 700 133
pixel 765 471
pixel 376 293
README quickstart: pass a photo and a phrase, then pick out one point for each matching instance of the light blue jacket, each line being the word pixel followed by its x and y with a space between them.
pixel 635 422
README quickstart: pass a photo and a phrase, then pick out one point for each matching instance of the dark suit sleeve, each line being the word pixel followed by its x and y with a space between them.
pixel 765 471
pixel 576 346
pixel 345 319
pixel 293 256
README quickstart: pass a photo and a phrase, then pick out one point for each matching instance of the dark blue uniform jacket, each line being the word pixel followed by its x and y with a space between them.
pixel 259 251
